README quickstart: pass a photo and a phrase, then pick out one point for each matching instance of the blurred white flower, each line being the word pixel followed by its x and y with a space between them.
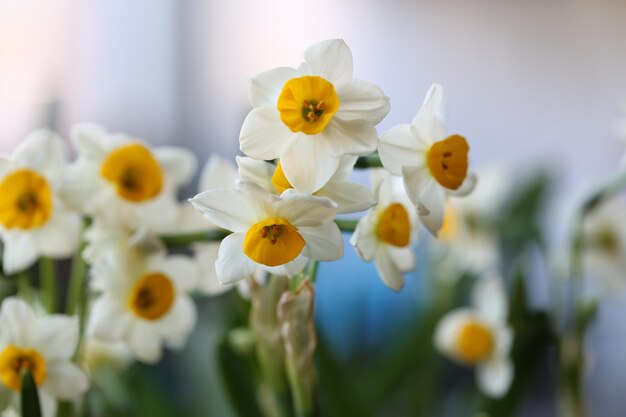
pixel 121 180
pixel 34 221
pixel 386 232
pixel 276 234
pixel 97 353
pixel 350 197
pixel 43 345
pixel 480 336
pixel 604 246
pixel 309 117
pixel 432 164
pixel 144 303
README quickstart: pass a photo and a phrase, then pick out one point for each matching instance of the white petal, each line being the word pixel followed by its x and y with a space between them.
pixel 305 209
pixel 364 239
pixel 59 237
pixel 18 324
pixel 398 148
pixel 363 100
pixel 389 272
pixel 232 264
pixel 108 319
pixel 349 137
pixel 263 135
pixel 490 298
pixel 258 172
pixel 179 321
pixel 403 258
pixel 330 59
pixel 289 269
pixel 48 404
pixel 426 194
pixel 91 141
pixel 504 339
pixel 230 209
pixel 466 188
pixel 307 165
pixel 323 243
pixel 447 331
pixel 217 173
pixel 494 377
pixel 346 166
pixel 20 252
pixel 65 380
pixel 350 197
pixel 428 122
pixel 181 269
pixel 179 164
pixel 42 151
pixel 6 166
pixel 57 336
pixel 206 255
pixel 144 341
pixel 266 87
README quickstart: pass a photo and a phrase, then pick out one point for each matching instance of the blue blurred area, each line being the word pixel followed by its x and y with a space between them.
pixel 356 312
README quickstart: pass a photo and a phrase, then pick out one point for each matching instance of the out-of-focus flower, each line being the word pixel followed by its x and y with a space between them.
pixel 386 232
pixel 45 347
pixel 120 180
pixel 276 234
pixel 98 353
pixel 480 336
pixel 350 197
pixel 432 164
pixel 33 219
pixel 468 231
pixel 144 303
pixel 311 116
pixel 604 245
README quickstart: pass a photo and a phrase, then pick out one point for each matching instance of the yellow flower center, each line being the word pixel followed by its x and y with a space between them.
pixel 394 226
pixel 306 104
pixel 450 228
pixel 474 343
pixel 273 242
pixel 279 180
pixel 447 161
pixel 152 296
pixel 26 200
pixel 134 171
pixel 14 360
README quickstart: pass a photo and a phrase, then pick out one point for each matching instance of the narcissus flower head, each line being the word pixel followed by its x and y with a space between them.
pixel 43 345
pixel 431 163
pixel 311 116
pixel 386 232
pixel 34 220
pixel 277 234
pixel 481 337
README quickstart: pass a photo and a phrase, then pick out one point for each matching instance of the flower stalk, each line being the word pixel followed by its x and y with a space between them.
pixel 48 282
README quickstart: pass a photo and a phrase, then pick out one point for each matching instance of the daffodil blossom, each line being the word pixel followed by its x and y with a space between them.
pixel 431 163
pixel 481 337
pixel 34 220
pixel 144 303
pixel 276 234
pixel 311 116
pixel 120 179
pixel 350 197
pixel 43 345
pixel 386 232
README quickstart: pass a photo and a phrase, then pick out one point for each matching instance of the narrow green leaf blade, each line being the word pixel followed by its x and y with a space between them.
pixel 30 396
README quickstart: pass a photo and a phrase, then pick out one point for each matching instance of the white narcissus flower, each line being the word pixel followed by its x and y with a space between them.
pixel 121 180
pixel 431 163
pixel 34 221
pixel 43 345
pixel 144 303
pixel 276 234
pixel 481 337
pixel 604 246
pixel 311 116
pixel 386 232
pixel 350 197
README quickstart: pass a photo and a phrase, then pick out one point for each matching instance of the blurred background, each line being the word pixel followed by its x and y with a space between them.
pixel 532 85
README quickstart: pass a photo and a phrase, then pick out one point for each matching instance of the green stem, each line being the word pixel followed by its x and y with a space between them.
pixel 370 161
pixel 76 291
pixel 312 273
pixel 48 284
pixel 346 225
pixel 24 289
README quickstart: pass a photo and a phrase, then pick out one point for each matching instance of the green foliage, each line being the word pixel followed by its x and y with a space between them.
pixel 29 396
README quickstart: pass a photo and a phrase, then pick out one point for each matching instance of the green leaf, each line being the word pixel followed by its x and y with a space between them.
pixel 30 396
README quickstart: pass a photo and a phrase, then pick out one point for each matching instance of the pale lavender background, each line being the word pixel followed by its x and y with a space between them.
pixel 529 83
